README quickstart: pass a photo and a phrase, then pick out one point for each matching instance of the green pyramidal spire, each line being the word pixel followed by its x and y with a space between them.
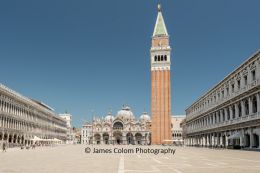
pixel 160 28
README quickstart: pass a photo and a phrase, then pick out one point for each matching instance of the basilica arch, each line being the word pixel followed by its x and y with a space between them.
pixel 138 138
pixel 118 125
pixel 106 138
pixel 97 138
pixel 130 138
pixel 118 137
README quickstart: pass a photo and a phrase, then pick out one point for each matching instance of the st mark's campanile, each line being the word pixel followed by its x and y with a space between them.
pixel 160 82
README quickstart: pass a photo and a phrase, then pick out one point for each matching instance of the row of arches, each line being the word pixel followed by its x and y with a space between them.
pixel 245 107
pixel 14 139
pixel 237 139
pixel 118 138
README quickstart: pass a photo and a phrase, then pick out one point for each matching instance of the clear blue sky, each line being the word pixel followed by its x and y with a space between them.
pixel 80 55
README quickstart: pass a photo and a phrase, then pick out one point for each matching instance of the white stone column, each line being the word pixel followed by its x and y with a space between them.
pixel 258 102
pixel 250 104
pixel 207 140
pixel 251 139
pixel 242 138
pixel 225 111
pixel 213 140
pixel 236 110
pixel 242 108
pixel 230 112
pixel 226 140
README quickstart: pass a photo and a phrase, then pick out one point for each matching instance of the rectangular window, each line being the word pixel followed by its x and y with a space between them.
pixel 245 80
pixel 233 87
pixel 227 89
pixel 253 75
pixel 238 84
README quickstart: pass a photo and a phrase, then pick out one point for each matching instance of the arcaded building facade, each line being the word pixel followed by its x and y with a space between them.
pixel 160 82
pixel 176 128
pixel 21 119
pixel 121 129
pixel 229 113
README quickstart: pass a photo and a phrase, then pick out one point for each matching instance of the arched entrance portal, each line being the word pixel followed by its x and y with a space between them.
pixel 97 138
pixel 256 140
pixel 138 138
pixel 106 138
pixel 130 138
pixel 118 137
pixel 247 140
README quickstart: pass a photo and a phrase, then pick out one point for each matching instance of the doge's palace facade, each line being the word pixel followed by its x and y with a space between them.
pixel 228 115
pixel 21 119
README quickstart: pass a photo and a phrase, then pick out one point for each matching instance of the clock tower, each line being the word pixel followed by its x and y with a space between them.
pixel 160 82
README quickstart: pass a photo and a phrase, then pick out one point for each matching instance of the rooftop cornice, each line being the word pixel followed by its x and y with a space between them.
pixel 28 101
pixel 241 66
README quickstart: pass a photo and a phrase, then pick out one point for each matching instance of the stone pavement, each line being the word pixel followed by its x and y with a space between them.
pixel 72 158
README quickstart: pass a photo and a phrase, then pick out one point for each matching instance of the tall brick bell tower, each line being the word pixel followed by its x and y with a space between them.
pixel 161 83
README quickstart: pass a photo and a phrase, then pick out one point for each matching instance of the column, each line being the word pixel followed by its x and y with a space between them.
pixel 226 140
pixel 250 105
pixel 221 115
pixel 225 113
pixel 230 112
pixel 219 136
pixel 251 139
pixel 258 102
pixel 242 108
pixel 101 139
pixel 213 140
pixel 221 140
pixel 236 110
pixel 242 138
pixel 210 140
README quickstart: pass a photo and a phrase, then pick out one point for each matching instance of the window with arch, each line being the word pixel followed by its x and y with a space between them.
pixel 246 107
pixel 233 111
pixel 239 110
pixel 245 79
pixel 238 84
pixel 165 57
pixel 155 58
pixel 253 75
pixel 254 104
pixel 161 57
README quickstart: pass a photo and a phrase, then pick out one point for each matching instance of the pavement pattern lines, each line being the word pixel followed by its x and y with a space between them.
pixel 72 158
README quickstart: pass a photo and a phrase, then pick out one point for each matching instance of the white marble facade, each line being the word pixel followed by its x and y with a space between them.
pixel 21 119
pixel 228 115
pixel 122 129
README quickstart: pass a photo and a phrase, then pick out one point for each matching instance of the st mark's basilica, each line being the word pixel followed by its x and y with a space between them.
pixel 123 128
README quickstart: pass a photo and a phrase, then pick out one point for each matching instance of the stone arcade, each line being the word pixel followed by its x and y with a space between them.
pixel 228 115
pixel 21 119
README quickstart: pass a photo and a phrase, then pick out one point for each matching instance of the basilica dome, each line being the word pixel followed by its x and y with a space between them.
pixel 125 114
pixel 145 117
pixel 109 117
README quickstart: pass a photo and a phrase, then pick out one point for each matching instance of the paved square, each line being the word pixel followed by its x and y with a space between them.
pixel 72 158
